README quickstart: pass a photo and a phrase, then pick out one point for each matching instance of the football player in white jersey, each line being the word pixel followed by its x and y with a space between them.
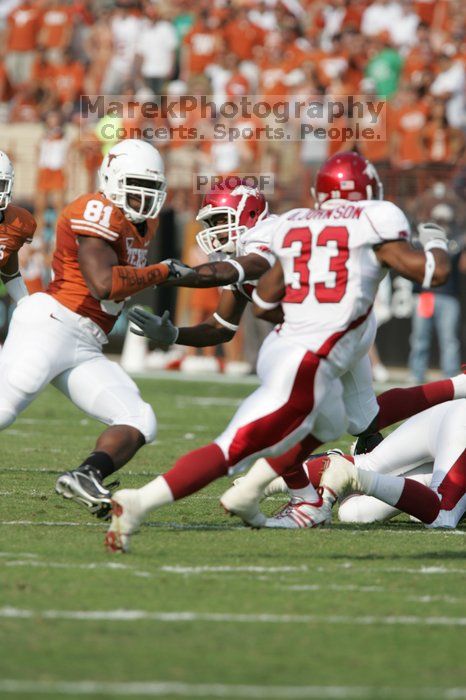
pixel 238 249
pixel 435 437
pixel 329 261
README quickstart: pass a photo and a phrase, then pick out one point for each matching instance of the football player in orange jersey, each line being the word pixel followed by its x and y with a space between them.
pixel 57 336
pixel 17 227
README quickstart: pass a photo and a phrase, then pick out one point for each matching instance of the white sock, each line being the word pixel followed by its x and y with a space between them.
pixel 383 486
pixel 459 386
pixel 259 476
pixel 155 494
pixel 308 494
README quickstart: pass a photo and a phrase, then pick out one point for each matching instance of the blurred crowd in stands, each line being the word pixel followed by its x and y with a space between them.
pixel 410 52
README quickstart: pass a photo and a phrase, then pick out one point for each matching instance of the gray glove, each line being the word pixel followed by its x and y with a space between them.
pixel 157 328
pixel 178 269
pixel 432 236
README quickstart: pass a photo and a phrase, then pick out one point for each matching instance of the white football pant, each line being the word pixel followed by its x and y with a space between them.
pixel 435 437
pixel 48 343
pixel 294 385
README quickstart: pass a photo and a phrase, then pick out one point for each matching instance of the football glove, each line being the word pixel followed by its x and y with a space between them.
pixel 158 328
pixel 178 269
pixel 432 236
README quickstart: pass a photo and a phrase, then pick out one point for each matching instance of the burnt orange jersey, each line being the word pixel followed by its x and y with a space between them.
pixel 96 216
pixel 17 227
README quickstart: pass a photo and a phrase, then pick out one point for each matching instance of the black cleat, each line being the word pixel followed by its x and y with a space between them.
pixel 367 443
pixel 85 488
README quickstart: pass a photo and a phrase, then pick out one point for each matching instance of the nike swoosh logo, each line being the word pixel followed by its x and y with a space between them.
pixel 56 319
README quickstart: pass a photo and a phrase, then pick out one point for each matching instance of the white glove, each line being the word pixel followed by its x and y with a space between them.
pixel 432 236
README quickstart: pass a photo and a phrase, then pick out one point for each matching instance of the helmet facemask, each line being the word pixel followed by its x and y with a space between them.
pixel 219 237
pixel 142 198
pixel 6 188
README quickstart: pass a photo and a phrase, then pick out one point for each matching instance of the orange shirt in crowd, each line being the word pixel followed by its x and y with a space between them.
pixel 238 84
pixel 42 71
pixel 23 26
pixel 68 79
pixel 409 122
pixel 438 143
pixel 241 37
pixel 378 149
pixel 202 45
pixel 55 28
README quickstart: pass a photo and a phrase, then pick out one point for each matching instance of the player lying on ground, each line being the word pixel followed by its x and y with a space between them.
pixel 329 262
pixel 230 214
pixel 17 227
pixel 437 435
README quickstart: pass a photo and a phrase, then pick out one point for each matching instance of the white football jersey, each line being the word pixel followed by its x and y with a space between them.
pixel 331 271
pixel 256 241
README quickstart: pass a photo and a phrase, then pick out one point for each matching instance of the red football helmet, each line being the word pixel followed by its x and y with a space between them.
pixel 227 211
pixel 347 176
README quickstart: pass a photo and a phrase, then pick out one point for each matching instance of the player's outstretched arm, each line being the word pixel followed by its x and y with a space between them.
pixel 429 267
pixel 11 278
pixel 218 328
pixel 220 273
pixel 268 295
pixel 106 279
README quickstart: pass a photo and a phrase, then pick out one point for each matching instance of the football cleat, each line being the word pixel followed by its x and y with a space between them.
pixel 242 501
pixel 366 443
pixel 86 489
pixel 127 515
pixel 298 513
pixel 339 479
pixel 275 487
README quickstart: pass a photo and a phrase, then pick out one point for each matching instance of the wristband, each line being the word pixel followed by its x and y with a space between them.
pixel 239 268
pixel 429 270
pixel 436 243
pixel 127 280
pixel 225 324
pixel 266 305
pixel 16 288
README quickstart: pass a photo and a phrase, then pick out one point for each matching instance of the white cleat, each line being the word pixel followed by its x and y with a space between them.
pixel 242 501
pixel 339 478
pixel 127 515
pixel 277 486
pixel 298 513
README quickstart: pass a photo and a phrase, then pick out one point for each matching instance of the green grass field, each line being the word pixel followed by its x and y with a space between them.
pixel 203 607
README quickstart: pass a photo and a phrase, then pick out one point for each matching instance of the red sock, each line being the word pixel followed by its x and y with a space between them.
pixel 195 470
pixel 289 464
pixel 418 500
pixel 453 486
pixel 399 404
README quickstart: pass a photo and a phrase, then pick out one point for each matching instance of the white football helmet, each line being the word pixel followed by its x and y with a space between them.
pixel 7 178
pixel 132 176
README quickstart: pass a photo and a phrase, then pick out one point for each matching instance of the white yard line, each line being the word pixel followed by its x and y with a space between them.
pixel 233 569
pixel 335 587
pixel 221 690
pixel 160 525
pixel 123 615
